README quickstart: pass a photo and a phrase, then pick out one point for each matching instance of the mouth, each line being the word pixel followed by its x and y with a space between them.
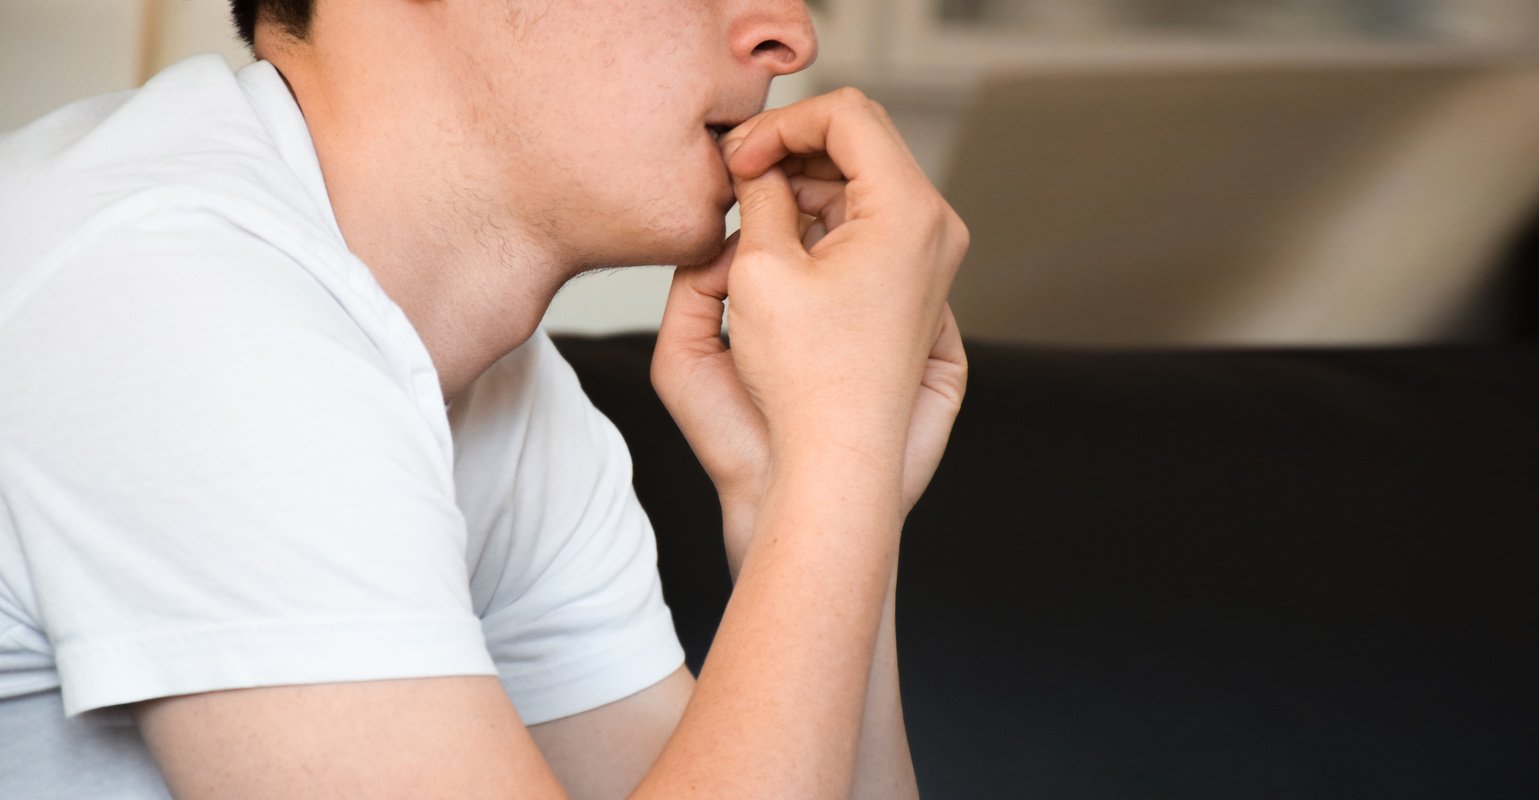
pixel 718 130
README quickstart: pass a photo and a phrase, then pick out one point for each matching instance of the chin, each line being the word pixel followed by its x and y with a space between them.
pixel 706 249
pixel 670 236
pixel 686 245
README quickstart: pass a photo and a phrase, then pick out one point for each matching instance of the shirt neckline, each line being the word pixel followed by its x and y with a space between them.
pixel 280 114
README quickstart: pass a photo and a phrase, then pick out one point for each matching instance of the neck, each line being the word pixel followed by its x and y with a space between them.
pixel 474 278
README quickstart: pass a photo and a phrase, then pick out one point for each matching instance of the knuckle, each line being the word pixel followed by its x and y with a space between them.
pixel 851 96
pixel 960 233
pixel 751 260
pixel 879 111
pixel 934 211
pixel 856 101
pixel 956 255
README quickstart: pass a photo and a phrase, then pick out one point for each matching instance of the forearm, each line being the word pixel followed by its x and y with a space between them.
pixel 883 765
pixel 834 356
pixel 778 705
pixel 884 768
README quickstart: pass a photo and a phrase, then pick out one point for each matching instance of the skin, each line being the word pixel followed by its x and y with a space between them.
pixel 470 149
pixel 573 139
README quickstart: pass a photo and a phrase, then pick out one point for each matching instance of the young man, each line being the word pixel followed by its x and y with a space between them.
pixel 299 502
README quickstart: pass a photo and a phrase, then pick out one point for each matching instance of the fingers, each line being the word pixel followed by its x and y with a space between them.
pixel 822 199
pixel 855 133
pixel 948 344
pixel 945 374
pixel 813 232
pixel 821 168
pixel 692 318
pixel 771 219
pixel 936 404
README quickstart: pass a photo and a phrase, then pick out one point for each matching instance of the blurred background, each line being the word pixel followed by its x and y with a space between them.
pixel 1135 172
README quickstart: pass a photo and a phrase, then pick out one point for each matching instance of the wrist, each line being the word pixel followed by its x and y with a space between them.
pixel 847 521
pixel 837 479
pixel 739 513
pixel 840 417
pixel 868 448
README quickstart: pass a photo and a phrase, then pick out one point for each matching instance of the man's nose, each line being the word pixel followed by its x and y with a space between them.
pixel 777 35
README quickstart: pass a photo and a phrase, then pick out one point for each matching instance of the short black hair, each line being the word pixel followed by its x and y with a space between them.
pixel 293 16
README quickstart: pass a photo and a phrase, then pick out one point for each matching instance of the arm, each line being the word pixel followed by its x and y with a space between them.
pixel 696 376
pixel 830 344
pixel 883 765
pixel 605 752
pixel 775 713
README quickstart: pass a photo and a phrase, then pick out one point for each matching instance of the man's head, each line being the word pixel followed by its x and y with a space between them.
pixel 292 16
pixel 589 122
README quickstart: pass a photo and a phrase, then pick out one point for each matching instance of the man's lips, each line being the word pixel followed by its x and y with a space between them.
pixel 717 129
pixel 720 126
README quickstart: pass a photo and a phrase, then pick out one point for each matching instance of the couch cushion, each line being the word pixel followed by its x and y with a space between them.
pixel 1192 574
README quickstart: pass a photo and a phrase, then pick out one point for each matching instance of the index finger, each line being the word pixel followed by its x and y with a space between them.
pixel 853 131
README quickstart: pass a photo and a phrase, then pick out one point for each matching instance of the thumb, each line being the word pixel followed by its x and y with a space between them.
pixel 696 300
pixel 771 219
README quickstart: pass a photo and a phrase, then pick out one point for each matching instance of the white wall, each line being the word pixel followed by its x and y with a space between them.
pixel 188 27
pixel 54 51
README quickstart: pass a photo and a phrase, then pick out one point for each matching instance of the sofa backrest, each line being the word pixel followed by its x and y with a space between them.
pixel 1264 203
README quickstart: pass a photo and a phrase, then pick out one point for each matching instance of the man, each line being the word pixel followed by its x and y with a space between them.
pixel 300 503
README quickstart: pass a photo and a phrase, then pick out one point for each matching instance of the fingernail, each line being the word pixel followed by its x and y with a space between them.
pixel 729 147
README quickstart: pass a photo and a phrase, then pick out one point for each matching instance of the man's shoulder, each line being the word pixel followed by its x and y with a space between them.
pixel 195 198
pixel 192 110
pixel 190 142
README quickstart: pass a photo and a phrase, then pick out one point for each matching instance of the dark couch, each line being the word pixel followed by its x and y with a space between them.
pixel 1187 575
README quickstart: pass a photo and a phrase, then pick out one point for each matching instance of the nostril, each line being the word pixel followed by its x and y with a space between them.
pixel 776 50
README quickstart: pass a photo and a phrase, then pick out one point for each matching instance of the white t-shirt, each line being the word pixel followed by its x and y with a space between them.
pixel 225 460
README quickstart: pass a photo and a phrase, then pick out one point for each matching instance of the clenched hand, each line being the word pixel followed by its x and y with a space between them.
pixel 841 336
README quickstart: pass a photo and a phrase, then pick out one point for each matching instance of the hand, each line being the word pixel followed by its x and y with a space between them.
pixel 694 373
pixel 695 376
pixel 843 319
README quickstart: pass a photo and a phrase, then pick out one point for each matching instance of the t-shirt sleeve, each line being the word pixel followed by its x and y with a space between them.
pixel 217 480
pixel 567 582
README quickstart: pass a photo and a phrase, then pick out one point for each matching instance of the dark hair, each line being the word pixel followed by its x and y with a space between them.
pixel 293 16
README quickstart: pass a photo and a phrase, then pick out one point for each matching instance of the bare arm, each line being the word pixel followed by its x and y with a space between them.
pixel 697 377
pixel 775 714
pixel 884 769
pixel 604 753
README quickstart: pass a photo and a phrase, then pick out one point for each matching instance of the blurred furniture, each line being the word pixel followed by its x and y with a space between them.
pixel 959 36
pixel 1515 298
pixel 1197 172
pixel 1308 202
pixel 1231 574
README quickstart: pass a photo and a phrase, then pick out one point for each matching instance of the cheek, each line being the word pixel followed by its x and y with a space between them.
pixel 657 166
